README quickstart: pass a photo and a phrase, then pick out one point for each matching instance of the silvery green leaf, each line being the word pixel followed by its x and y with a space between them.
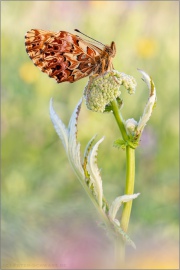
pixel 59 126
pixel 85 161
pixel 68 138
pixel 94 172
pixel 124 235
pixel 88 147
pixel 74 146
pixel 151 101
pixel 89 168
pixel 119 232
pixel 118 202
pixel 72 127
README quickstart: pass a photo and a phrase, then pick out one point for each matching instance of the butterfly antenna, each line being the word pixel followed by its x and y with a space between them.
pixel 88 36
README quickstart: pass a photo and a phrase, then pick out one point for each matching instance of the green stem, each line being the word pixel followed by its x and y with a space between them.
pixel 119 119
pixel 130 177
pixel 129 189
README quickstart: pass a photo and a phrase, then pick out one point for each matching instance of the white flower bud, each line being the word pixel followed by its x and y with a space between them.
pixel 130 126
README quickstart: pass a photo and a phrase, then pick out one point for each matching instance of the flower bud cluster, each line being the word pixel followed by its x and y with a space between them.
pixel 128 82
pixel 103 89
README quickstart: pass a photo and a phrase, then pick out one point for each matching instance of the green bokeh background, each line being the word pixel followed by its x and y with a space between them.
pixel 47 219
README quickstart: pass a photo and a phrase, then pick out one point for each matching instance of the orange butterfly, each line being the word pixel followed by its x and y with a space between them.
pixel 67 57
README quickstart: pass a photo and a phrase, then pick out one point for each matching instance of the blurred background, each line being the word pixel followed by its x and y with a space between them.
pixel 48 221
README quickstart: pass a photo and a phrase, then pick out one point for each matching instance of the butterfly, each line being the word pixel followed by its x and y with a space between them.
pixel 67 57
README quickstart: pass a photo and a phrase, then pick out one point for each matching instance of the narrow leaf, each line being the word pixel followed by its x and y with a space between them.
pixel 94 172
pixel 74 147
pixel 118 202
pixel 59 126
pixel 151 101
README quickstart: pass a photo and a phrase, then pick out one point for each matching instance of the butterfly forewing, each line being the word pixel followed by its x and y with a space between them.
pixel 64 56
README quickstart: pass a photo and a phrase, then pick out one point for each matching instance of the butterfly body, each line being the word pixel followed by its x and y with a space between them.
pixel 67 57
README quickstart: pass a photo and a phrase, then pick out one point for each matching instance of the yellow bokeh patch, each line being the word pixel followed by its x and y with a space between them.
pixel 146 47
pixel 28 72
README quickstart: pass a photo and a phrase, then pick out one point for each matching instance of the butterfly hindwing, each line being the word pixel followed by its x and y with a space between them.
pixel 63 56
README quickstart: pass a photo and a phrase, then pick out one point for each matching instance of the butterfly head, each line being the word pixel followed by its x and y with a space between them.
pixel 113 49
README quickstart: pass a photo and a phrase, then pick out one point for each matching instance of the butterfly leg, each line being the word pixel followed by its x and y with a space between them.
pixel 103 66
pixel 93 76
